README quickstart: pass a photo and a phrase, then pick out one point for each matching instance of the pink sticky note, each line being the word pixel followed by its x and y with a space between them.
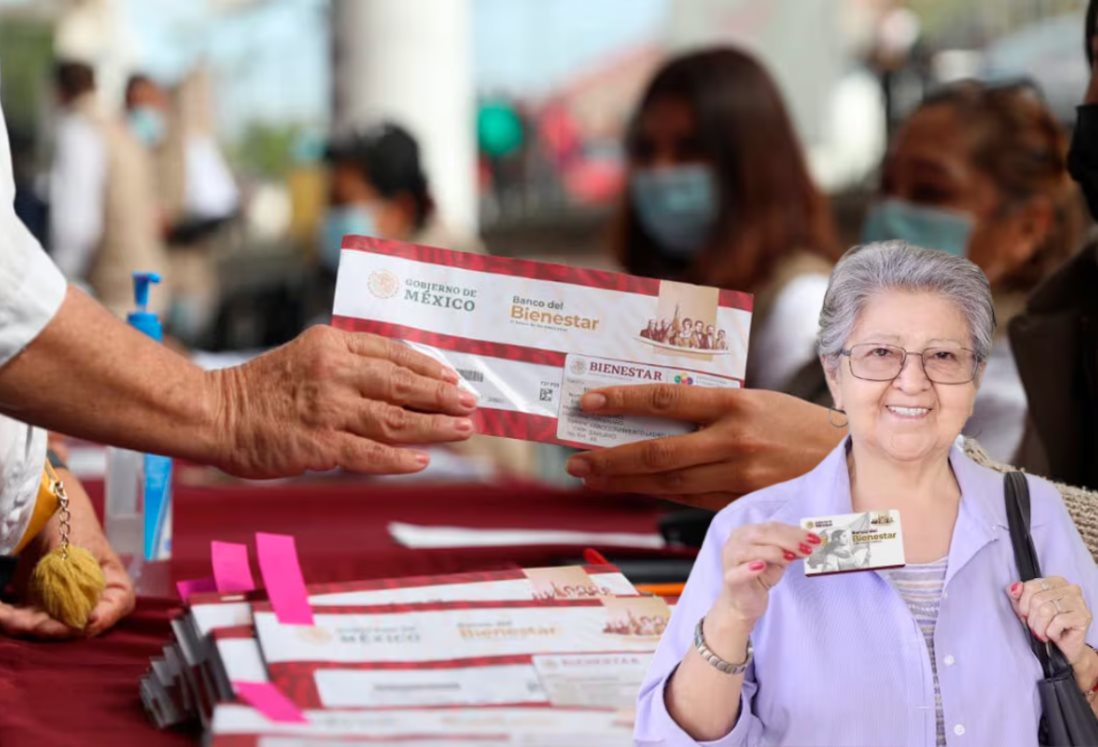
pixel 282 576
pixel 268 700
pixel 230 566
pixel 194 586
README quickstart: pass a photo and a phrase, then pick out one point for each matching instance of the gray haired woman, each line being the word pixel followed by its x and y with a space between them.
pixel 904 656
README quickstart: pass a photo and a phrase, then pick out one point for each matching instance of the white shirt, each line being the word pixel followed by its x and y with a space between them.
pixel 78 184
pixel 998 418
pixel 31 292
pixel 209 190
pixel 786 339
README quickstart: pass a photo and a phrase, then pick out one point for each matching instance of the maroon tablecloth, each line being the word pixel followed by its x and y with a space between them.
pixel 85 692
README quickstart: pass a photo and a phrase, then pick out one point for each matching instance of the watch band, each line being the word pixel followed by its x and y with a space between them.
pixel 715 661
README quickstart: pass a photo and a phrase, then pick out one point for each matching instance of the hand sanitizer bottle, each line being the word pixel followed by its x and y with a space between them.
pixel 138 504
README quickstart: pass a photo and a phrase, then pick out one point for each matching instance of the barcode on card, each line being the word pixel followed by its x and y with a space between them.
pixel 470 375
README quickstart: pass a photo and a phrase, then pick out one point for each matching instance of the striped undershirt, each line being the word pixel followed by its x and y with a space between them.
pixel 920 585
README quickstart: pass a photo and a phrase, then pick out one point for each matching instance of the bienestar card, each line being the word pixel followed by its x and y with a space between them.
pixel 867 541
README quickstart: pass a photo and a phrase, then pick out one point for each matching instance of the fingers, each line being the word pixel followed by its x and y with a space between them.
pixel 375 346
pixel 1050 607
pixel 785 536
pixel 659 455
pixel 371 458
pixel 390 424
pixel 115 604
pixel 389 382
pixel 693 403
pixel 745 573
pixel 1063 624
pixel 1041 589
pixel 30 622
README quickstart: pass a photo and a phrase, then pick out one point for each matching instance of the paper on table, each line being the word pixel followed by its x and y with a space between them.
pixel 194 586
pixel 266 698
pixel 231 570
pixel 282 576
pixel 418 536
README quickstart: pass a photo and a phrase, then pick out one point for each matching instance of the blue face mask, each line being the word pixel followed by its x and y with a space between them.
pixel 342 220
pixel 932 228
pixel 677 207
pixel 147 125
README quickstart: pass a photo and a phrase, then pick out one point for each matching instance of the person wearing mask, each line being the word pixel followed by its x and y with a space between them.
pixel 378 188
pixel 719 194
pixel 197 195
pixel 1054 340
pixel 327 399
pixel 981 171
pixel 104 217
pixel 757 652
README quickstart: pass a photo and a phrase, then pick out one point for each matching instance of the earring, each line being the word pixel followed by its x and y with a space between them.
pixel 831 411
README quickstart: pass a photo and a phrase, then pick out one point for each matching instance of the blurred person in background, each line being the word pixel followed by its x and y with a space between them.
pixel 719 194
pixel 378 188
pixel 104 217
pixel 197 193
pixel 981 171
pixel 1054 339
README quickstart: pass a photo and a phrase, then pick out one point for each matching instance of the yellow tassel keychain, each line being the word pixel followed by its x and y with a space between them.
pixel 68 581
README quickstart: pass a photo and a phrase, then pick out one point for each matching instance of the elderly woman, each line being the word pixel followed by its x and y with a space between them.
pixel 905 656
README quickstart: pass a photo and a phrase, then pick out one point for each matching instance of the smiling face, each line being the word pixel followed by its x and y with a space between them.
pixel 909 418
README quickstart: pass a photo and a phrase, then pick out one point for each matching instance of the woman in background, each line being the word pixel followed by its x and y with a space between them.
pixel 719 194
pixel 980 171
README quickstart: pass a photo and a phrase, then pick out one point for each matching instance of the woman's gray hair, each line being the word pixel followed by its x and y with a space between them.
pixel 867 270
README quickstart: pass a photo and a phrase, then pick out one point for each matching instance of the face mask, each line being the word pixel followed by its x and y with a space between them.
pixel 676 206
pixel 931 228
pixel 147 125
pixel 342 220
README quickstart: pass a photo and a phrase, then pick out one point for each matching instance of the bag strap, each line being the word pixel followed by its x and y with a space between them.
pixel 1025 558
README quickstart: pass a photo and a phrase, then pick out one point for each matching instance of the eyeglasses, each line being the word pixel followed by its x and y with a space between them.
pixel 874 361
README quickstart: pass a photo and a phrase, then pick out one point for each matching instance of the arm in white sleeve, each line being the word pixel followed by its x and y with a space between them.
pixel 77 186
pixel 22 457
pixel 31 292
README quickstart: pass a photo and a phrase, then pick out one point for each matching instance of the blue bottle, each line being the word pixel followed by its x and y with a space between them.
pixel 138 505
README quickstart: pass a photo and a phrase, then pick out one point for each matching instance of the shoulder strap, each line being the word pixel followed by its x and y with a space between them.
pixel 1025 557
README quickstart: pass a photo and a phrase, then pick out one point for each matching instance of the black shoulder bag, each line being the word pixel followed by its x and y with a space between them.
pixel 1067 719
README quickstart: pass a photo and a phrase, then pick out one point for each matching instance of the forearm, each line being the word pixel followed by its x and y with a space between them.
pixel 89 375
pixel 704 701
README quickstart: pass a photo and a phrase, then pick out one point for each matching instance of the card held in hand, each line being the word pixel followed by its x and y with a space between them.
pixel 863 541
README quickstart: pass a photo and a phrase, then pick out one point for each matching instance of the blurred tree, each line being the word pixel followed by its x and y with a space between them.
pixel 26 52
pixel 963 22
pixel 266 150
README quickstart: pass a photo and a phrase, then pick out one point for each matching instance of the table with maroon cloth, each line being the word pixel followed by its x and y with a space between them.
pixel 86 692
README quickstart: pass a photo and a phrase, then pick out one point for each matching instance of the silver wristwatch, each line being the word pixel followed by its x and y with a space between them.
pixel 724 666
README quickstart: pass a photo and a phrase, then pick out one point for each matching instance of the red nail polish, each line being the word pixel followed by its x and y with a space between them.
pixel 814 538
pixel 805 549
pixel 1015 587
pixel 788 555
pixel 758 565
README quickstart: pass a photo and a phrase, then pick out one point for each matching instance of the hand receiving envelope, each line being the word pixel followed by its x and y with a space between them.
pixel 531 337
